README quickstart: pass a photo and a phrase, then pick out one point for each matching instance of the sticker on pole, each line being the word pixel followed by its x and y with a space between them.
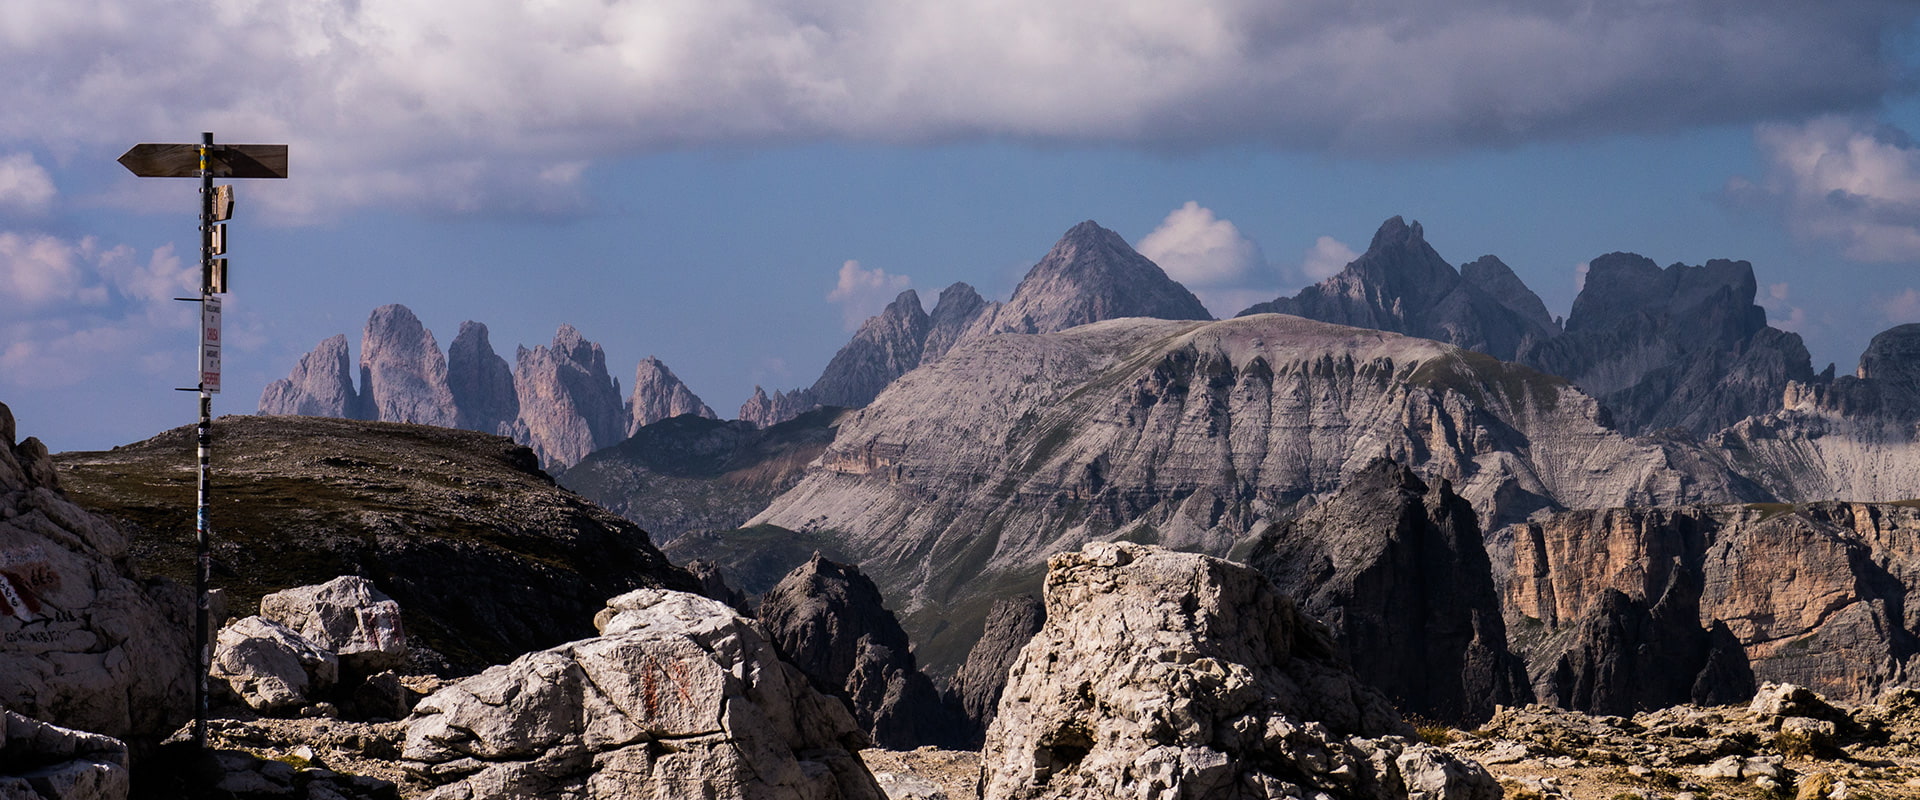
pixel 210 345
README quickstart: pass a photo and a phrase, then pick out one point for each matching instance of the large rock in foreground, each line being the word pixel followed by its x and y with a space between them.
pixel 680 697
pixel 348 617
pixel 82 645
pixel 39 761
pixel 1163 674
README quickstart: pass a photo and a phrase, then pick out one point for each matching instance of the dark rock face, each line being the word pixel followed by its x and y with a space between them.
pixel 481 383
pixel 1397 572
pixel 403 376
pixel 485 556
pixel 1894 357
pixel 1401 284
pixel 688 473
pixel 885 347
pixel 1684 347
pixel 658 394
pixel 1090 275
pixel 828 619
pixel 569 405
pixel 321 385
pixel 976 689
pixel 1633 608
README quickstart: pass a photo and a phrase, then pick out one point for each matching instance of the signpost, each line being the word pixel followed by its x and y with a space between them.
pixel 207 161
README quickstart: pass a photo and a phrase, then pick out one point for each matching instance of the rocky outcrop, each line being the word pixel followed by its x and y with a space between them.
pixel 959 305
pixel 689 474
pixel 765 410
pixel 480 382
pixel 1641 608
pixel 966 474
pixel 82 644
pixel 1684 347
pixel 321 385
pixel 1851 438
pixel 348 617
pixel 403 375
pixel 270 667
pixel 829 620
pixel 1397 572
pixel 1173 674
pixel 1090 275
pixel 487 558
pixel 658 394
pixel 678 697
pixel 569 405
pixel 39 761
pixel 1401 284
pixel 976 688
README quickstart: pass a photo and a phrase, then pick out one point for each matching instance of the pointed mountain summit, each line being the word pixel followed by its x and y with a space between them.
pixel 958 307
pixel 659 394
pixel 1401 284
pixel 321 385
pixel 569 405
pixel 482 385
pixel 1090 275
pixel 886 347
pixel 403 375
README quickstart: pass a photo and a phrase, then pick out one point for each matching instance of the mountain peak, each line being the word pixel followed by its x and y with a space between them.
pixel 1395 233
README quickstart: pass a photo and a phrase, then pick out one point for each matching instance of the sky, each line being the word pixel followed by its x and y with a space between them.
pixel 733 185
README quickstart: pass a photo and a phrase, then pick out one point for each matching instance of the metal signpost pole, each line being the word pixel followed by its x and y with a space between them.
pixel 207 161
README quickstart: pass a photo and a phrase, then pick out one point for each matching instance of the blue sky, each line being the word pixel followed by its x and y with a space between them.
pixel 692 179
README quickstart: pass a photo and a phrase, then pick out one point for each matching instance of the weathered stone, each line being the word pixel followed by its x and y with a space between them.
pixel 976 688
pixel 403 374
pixel 321 385
pixel 569 405
pixel 270 667
pixel 659 394
pixel 887 346
pixel 480 382
pixel 346 616
pixel 679 697
pixel 40 761
pixel 81 644
pixel 830 621
pixel 1171 674
pixel 1397 572
pixel 765 411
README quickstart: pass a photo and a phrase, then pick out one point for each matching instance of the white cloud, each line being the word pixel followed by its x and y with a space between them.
pixel 1198 249
pixel 1580 275
pixel 1848 181
pixel 1326 258
pixel 78 310
pixel 862 293
pixel 25 187
pixel 466 109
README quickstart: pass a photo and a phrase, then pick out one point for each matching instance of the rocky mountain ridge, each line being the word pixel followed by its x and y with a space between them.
pixel 558 399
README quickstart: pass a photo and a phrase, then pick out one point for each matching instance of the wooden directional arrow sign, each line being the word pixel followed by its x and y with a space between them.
pixel 223 160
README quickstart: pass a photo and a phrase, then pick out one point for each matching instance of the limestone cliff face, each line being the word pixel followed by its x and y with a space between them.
pixel 481 383
pixel 885 347
pixel 1683 347
pixel 1090 275
pixel 1401 284
pixel 321 385
pixel 967 473
pixel 976 688
pixel 658 394
pixel 1397 572
pixel 569 405
pixel 1850 438
pixel 1638 608
pixel 403 375
pixel 959 305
